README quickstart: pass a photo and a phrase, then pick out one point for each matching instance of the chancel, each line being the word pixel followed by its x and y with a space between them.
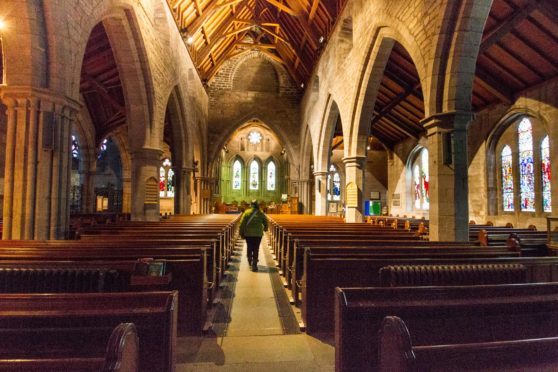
pixel 401 155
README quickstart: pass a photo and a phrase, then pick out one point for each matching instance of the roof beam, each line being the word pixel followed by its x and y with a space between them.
pixel 505 27
pixel 209 10
pixel 103 92
pixel 494 86
pixel 284 8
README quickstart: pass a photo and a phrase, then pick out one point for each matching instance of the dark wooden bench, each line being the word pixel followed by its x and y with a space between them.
pixel 397 354
pixel 35 325
pixel 121 355
pixel 441 316
pixel 339 248
pixel 185 269
pixel 323 273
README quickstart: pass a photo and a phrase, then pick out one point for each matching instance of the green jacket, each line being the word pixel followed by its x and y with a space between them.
pixel 257 225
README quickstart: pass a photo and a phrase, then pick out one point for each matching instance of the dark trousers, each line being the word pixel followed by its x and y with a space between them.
pixel 253 243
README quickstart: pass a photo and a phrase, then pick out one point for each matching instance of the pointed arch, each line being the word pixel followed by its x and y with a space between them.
pixel 254 174
pixel 237 169
pixel 270 174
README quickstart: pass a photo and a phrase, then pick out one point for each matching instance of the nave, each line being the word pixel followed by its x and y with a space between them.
pixel 253 327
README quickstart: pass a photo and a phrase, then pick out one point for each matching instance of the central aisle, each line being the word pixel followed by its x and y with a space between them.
pixel 253 328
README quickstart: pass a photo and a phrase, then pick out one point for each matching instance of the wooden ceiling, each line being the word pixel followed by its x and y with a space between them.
pixel 100 85
pixel 291 32
pixel 518 52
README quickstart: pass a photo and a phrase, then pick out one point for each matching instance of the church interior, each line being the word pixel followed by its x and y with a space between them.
pixel 401 151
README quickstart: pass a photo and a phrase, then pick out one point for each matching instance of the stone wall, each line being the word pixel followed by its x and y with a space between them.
pixel 237 97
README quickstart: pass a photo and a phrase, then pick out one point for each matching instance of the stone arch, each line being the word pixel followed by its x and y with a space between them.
pixel 306 154
pixel 370 79
pixel 456 47
pixel 126 41
pixel 331 115
pixel 279 132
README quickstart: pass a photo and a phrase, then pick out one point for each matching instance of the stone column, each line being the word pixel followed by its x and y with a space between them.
pixel 320 182
pixel 354 180
pixel 182 187
pixel 88 202
pixel 126 192
pixel 304 194
pixel 448 175
pixel 38 164
pixel 145 184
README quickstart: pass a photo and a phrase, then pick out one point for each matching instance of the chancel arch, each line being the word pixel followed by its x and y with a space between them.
pixel 253 166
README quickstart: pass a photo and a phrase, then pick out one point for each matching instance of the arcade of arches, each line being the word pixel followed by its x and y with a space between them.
pixel 420 105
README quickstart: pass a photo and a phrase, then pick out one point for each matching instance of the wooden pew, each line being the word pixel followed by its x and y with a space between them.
pixel 397 353
pixel 338 247
pixel 322 273
pixel 36 325
pixel 121 355
pixel 186 267
pixel 476 314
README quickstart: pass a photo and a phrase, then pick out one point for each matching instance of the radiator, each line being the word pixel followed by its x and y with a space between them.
pixel 442 275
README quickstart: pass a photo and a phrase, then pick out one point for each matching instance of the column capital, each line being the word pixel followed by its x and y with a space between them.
pixel 354 161
pixel 49 100
pixel 146 154
pixel 451 120
pixel 320 173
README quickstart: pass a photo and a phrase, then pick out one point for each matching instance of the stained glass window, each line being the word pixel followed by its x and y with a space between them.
pixel 103 147
pixel 271 176
pixel 507 179
pixel 75 147
pixel 162 182
pixel 170 184
pixel 421 181
pixel 334 184
pixel 254 175
pixel 526 166
pixel 237 177
pixel 545 169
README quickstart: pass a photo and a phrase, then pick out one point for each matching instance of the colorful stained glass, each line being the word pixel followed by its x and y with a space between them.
pixel 333 184
pixel 170 184
pixel 75 147
pixel 526 166
pixel 271 176
pixel 237 177
pixel 507 179
pixel 545 169
pixel 421 181
pixel 162 182
pixel 254 175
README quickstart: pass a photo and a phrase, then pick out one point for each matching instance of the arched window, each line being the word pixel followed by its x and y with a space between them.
pixel 545 170
pixel 166 180
pixel 526 166
pixel 254 175
pixel 75 147
pixel 525 148
pixel 237 175
pixel 103 147
pixel 421 181
pixel 271 176
pixel 507 179
pixel 333 184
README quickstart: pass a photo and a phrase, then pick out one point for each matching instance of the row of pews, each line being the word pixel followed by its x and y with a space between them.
pixel 392 298
pixel 60 301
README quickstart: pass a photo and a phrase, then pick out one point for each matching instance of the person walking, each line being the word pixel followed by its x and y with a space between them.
pixel 253 223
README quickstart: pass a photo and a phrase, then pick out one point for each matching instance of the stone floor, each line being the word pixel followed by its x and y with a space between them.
pixel 253 326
